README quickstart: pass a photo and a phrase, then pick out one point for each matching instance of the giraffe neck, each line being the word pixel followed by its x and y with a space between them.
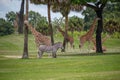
pixel 34 32
pixel 92 28
pixel 61 31
pixel 89 34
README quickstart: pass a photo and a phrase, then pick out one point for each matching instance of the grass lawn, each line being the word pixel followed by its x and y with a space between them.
pixel 71 65
pixel 97 67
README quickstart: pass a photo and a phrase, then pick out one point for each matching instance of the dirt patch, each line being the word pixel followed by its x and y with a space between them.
pixel 13 56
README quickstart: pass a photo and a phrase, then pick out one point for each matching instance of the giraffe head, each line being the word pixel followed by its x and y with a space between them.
pixel 97 18
pixel 25 22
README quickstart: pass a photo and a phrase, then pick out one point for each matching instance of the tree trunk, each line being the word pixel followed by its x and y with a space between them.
pixel 50 25
pixel 25 52
pixel 99 31
pixel 65 37
pixel 21 18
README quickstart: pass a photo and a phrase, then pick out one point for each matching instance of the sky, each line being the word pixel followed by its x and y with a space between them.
pixel 14 5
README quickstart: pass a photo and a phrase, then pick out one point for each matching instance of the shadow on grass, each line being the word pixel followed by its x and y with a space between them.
pixel 88 54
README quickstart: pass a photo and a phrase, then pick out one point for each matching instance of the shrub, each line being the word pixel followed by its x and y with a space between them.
pixel 5 27
pixel 116 35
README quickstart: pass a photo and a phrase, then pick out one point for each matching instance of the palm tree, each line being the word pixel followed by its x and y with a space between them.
pixel 64 7
pixel 25 52
pixel 49 20
pixel 21 18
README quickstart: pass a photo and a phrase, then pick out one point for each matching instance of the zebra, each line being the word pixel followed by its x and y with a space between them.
pixel 48 49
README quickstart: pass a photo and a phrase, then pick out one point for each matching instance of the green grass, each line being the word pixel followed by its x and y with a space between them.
pixel 71 65
pixel 14 43
pixel 99 67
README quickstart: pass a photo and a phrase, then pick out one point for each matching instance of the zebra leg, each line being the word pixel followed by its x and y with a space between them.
pixel 54 54
pixel 40 54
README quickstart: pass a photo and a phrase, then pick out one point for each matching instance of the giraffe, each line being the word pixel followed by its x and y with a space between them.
pixel 103 40
pixel 39 38
pixel 89 34
pixel 69 39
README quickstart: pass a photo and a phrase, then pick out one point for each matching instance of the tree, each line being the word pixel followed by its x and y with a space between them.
pixel 21 18
pixel 49 21
pixel 111 17
pixel 58 23
pixel 112 26
pixel 25 50
pixel 6 27
pixel 98 7
pixel 43 26
pixel 64 7
pixel 75 24
pixel 34 18
pixel 40 22
pixel 10 16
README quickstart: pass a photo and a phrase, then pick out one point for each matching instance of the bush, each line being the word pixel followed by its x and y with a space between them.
pixel 5 27
pixel 116 35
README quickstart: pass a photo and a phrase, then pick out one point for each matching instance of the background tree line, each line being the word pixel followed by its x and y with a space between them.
pixel 64 7
pixel 40 23
pixel 111 21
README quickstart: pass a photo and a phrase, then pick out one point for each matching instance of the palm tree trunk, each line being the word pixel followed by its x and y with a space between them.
pixel 65 37
pixel 21 18
pixel 50 25
pixel 25 52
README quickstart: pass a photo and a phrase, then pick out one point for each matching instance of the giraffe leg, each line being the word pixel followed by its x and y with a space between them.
pixel 104 48
pixel 80 50
pixel 72 45
pixel 89 44
pixel 67 45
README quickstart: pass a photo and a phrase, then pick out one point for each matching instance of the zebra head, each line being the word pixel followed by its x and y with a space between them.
pixel 59 45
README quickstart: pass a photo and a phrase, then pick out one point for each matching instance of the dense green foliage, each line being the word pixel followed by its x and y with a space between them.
pixel 111 11
pixel 5 27
pixel 111 20
pixel 112 27
pixel 58 23
pixel 39 22
pixel 11 16
pixel 75 24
